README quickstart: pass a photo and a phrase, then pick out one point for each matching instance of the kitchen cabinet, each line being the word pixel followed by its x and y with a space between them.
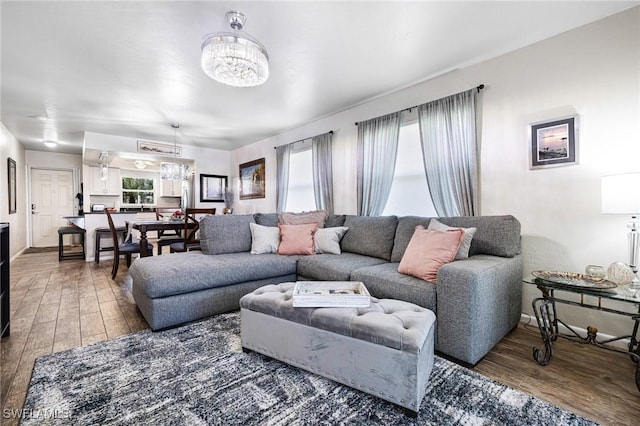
pixel 111 186
pixel 170 188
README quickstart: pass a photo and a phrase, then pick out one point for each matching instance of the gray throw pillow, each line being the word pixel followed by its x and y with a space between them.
pixel 229 233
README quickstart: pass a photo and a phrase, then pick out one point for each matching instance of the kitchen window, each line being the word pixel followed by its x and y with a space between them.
pixel 137 190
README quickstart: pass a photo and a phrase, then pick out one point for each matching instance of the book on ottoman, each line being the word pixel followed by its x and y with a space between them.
pixel 330 294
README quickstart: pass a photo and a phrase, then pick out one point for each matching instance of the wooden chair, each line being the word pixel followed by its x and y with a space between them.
pixel 191 228
pixel 163 238
pixel 121 248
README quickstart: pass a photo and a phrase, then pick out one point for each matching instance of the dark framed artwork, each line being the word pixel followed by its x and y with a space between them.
pixel 554 143
pixel 212 188
pixel 11 166
pixel 252 178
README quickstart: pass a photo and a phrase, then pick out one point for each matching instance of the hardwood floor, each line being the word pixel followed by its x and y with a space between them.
pixel 60 305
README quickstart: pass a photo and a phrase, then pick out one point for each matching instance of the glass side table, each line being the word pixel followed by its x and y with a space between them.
pixel 545 309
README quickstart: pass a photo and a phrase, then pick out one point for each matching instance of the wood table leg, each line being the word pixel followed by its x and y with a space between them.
pixel 144 249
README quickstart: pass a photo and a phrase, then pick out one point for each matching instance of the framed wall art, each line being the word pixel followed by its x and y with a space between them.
pixel 554 143
pixel 252 178
pixel 212 188
pixel 11 167
pixel 159 148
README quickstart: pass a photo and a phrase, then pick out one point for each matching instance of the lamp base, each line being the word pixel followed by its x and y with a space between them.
pixel 635 284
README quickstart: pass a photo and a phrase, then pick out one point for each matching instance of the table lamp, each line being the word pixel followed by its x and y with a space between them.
pixel 621 195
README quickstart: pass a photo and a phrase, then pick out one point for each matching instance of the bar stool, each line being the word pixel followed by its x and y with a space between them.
pixel 70 230
pixel 106 233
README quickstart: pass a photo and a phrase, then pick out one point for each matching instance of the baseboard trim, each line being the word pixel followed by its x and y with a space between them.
pixel 622 344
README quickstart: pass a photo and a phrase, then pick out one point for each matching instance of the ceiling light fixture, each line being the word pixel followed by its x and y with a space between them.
pixel 174 171
pixel 140 164
pixel 104 166
pixel 50 144
pixel 236 58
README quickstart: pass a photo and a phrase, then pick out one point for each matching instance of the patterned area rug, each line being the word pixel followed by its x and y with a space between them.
pixel 198 375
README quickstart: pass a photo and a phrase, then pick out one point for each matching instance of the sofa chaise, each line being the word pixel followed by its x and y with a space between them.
pixel 477 300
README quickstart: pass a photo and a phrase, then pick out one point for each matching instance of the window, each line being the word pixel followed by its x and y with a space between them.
pixel 137 190
pixel 300 195
pixel 409 191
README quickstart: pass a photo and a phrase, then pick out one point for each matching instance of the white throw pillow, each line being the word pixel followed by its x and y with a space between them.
pixel 463 250
pixel 328 239
pixel 264 239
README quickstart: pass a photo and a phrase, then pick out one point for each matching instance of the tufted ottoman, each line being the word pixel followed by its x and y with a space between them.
pixel 385 350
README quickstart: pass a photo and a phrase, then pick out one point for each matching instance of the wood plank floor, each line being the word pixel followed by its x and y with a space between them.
pixel 60 305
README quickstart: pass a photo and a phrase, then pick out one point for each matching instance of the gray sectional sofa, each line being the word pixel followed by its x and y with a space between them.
pixel 477 300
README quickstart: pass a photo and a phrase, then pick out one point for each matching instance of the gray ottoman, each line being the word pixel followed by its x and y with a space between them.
pixel 385 350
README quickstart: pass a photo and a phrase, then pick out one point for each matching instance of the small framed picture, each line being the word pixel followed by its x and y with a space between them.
pixel 159 148
pixel 212 188
pixel 554 143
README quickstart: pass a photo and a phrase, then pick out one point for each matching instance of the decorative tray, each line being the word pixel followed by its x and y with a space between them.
pixel 330 294
pixel 574 279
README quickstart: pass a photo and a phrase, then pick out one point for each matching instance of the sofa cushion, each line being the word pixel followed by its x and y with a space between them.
pixel 428 250
pixel 327 267
pixel 266 219
pixel 264 239
pixel 370 235
pixel 297 239
pixel 495 235
pixel 384 281
pixel 229 233
pixel 162 276
pixel 334 220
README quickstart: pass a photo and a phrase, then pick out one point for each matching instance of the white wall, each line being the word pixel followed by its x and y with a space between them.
pixel 592 71
pixel 11 148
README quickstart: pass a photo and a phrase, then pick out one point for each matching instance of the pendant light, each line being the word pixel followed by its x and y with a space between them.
pixel 173 170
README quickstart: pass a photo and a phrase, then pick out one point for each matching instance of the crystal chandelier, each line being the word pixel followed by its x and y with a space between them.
pixel 236 58
pixel 174 171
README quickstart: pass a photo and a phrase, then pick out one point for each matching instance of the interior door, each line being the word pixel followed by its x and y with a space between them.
pixel 51 199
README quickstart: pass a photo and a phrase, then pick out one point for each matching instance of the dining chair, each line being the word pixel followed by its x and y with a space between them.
pixel 191 227
pixel 166 238
pixel 122 247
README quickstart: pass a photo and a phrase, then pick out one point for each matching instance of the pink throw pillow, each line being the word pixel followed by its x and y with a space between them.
pixel 428 250
pixel 297 239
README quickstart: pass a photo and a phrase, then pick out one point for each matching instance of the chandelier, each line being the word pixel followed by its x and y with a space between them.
pixel 174 171
pixel 236 58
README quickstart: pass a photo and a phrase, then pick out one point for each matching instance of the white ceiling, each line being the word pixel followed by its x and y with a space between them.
pixel 132 68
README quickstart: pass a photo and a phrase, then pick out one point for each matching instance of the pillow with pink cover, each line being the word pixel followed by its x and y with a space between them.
pixel 428 250
pixel 297 239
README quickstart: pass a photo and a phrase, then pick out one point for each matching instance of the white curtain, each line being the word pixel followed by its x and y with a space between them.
pixel 449 151
pixel 322 172
pixel 377 151
pixel 283 153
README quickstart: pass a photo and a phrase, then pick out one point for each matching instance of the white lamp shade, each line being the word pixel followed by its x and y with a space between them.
pixel 621 194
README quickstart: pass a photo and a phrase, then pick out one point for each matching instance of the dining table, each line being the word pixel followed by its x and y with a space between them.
pixel 145 226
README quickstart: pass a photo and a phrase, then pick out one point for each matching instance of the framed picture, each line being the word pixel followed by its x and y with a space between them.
pixel 554 143
pixel 252 175
pixel 159 148
pixel 13 207
pixel 212 188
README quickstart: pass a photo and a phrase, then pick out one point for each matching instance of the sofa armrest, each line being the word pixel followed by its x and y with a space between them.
pixel 478 302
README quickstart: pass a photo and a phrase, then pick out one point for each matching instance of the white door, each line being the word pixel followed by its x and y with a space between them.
pixel 51 198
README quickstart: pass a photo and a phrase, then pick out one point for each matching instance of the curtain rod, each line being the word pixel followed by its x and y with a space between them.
pixel 478 88
pixel 302 140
